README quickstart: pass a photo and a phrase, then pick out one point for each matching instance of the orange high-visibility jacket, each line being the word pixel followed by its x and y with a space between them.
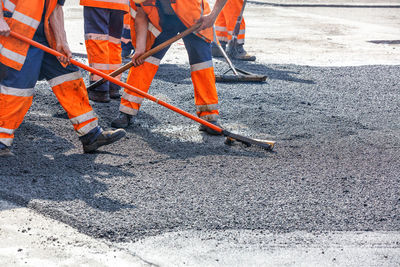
pixel 26 17
pixel 110 4
pixel 188 11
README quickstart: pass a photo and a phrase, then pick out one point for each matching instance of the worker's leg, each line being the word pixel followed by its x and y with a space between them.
pixel 141 77
pixel 114 47
pixel 16 93
pixel 96 22
pixel 70 90
pixel 126 42
pixel 221 32
pixel 202 71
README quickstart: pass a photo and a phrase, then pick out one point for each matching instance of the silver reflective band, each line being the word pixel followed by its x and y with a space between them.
pixel 12 55
pixel 65 78
pixel 114 1
pixel 129 111
pixel 133 13
pixel 28 92
pixel 9 5
pixel 6 141
pixel 205 108
pixel 114 40
pixel 153 30
pixel 7 131
pixel 25 19
pixel 96 36
pixel 132 98
pixel 201 66
pixel 211 117
pixel 87 128
pixel 99 66
pixel 84 117
pixel 153 60
pixel 219 28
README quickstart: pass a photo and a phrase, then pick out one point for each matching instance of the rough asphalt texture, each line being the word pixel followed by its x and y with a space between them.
pixel 336 165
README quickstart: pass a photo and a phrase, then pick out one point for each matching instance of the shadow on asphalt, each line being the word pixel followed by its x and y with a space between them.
pixel 180 149
pixel 42 170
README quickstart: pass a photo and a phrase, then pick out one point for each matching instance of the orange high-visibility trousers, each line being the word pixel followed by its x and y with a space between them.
pixel 226 21
pixel 17 90
pixel 202 73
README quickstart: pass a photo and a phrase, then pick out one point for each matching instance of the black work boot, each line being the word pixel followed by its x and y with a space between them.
pixel 99 96
pixel 102 139
pixel 6 153
pixel 215 50
pixel 208 130
pixel 123 120
pixel 236 51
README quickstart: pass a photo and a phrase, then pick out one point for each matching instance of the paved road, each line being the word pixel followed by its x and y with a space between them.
pixel 331 185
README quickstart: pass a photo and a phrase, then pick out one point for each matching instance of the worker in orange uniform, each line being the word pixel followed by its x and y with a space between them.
pixel 156 22
pixel 103 23
pixel 42 21
pixel 224 27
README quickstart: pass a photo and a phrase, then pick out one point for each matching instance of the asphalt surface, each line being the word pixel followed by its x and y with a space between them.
pixel 335 168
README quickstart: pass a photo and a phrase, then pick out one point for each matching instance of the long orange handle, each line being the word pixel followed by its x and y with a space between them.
pixel 118 82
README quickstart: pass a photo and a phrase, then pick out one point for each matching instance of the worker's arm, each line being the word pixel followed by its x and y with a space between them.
pixel 208 21
pixel 141 25
pixel 4 28
pixel 57 25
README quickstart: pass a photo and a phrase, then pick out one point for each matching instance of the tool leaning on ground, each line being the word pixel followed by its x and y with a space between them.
pixel 230 137
pixel 239 75
pixel 147 54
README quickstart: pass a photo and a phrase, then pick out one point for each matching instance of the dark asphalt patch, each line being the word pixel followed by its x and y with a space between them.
pixel 336 165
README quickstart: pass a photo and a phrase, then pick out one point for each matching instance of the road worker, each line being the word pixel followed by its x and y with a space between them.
pixel 224 27
pixel 126 41
pixel 156 22
pixel 42 21
pixel 103 23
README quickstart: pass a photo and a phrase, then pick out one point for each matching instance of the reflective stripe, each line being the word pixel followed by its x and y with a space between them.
pixel 25 19
pixel 205 108
pixel 153 30
pixel 240 41
pixel 7 131
pixel 210 117
pixel 201 66
pixel 243 31
pixel 99 66
pixel 65 78
pixel 113 66
pixel 221 29
pixel 9 5
pixel 84 117
pixel 153 60
pixel 87 128
pixel 132 98
pixel 96 36
pixel 129 111
pixel 114 40
pixel 6 141
pixel 12 55
pixel 26 92
pixel 133 13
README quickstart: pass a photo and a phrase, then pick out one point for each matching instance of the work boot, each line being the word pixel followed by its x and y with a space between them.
pixel 208 130
pixel 114 93
pixel 123 120
pixel 6 153
pixel 125 53
pixel 237 52
pixel 215 50
pixel 99 96
pixel 104 138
